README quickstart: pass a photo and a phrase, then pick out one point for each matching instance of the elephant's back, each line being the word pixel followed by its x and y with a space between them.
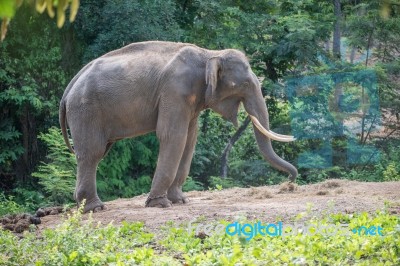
pixel 156 47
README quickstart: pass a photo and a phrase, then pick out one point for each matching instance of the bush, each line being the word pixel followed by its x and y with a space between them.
pixel 125 171
pixel 57 175
pixel 81 243
pixel 30 198
pixel 299 249
pixel 220 183
pixel 78 242
pixel 254 173
pixel 192 184
pixel 8 205
pixel 391 173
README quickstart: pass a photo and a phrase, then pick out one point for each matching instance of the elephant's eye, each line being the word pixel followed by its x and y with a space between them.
pixel 245 84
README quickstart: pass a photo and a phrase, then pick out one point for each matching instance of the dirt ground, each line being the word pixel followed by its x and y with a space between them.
pixel 268 204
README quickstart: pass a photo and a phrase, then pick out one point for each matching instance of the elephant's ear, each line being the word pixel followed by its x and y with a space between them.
pixel 213 69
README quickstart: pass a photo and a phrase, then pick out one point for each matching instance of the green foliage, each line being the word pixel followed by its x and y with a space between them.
pixel 135 187
pixel 78 242
pixel 11 147
pixel 385 170
pixel 319 175
pixel 334 249
pixel 8 9
pixel 8 205
pixel 192 184
pixel 123 22
pixel 126 170
pixel 220 183
pixel 391 173
pixel 213 135
pixel 31 84
pixel 280 38
pixel 82 243
pixel 31 198
pixel 57 175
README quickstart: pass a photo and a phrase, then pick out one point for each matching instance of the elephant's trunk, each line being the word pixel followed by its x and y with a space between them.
pixel 258 112
pixel 264 143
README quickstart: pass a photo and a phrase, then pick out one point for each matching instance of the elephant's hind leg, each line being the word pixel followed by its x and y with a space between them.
pixel 86 183
pixel 90 147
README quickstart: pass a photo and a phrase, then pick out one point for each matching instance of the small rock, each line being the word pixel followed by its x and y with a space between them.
pixel 201 235
pixel 5 220
pixel 53 212
pixel 35 220
pixel 40 213
pixel 21 216
pixel 22 225
pixel 9 227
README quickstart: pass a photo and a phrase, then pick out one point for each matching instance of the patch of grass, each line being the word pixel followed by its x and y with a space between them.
pixel 331 184
pixel 82 243
pixel 287 187
pixel 322 192
pixel 259 193
pixel 339 191
pixel 77 242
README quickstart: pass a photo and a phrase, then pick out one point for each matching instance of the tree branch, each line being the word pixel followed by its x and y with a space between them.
pixel 229 145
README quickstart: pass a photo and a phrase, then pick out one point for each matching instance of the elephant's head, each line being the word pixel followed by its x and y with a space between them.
pixel 231 81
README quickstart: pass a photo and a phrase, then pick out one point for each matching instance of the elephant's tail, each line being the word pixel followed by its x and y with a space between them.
pixel 63 107
pixel 63 124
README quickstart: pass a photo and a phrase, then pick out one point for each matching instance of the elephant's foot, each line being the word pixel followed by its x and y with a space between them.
pixel 175 195
pixel 160 202
pixel 93 205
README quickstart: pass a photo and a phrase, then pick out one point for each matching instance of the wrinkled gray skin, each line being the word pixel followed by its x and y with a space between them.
pixel 162 87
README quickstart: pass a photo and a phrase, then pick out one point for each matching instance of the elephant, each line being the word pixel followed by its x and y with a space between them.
pixel 159 86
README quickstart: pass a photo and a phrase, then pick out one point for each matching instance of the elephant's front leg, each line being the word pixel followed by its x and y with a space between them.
pixel 175 193
pixel 172 132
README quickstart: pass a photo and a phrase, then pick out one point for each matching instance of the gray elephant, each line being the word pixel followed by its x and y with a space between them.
pixel 162 87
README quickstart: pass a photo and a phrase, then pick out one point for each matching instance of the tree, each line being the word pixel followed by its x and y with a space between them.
pixel 8 8
pixel 31 83
pixel 337 31
pixel 108 25
pixel 278 39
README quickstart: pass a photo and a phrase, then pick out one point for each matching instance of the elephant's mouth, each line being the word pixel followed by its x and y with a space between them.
pixel 270 134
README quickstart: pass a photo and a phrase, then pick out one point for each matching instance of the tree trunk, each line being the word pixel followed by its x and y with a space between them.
pixel 328 45
pixel 28 160
pixel 369 45
pixel 352 55
pixel 229 145
pixel 336 31
pixel 364 112
pixel 21 169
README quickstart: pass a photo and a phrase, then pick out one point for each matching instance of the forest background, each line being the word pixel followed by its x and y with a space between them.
pixel 330 73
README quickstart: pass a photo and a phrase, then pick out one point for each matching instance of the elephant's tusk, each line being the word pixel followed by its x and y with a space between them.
pixel 283 136
pixel 269 133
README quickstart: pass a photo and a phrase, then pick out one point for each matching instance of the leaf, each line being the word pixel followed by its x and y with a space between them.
pixel 61 12
pixel 40 6
pixel 7 8
pixel 74 10
pixel 3 30
pixel 50 10
pixel 73 255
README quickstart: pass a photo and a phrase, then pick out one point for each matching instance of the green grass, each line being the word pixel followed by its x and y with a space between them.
pixel 77 242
